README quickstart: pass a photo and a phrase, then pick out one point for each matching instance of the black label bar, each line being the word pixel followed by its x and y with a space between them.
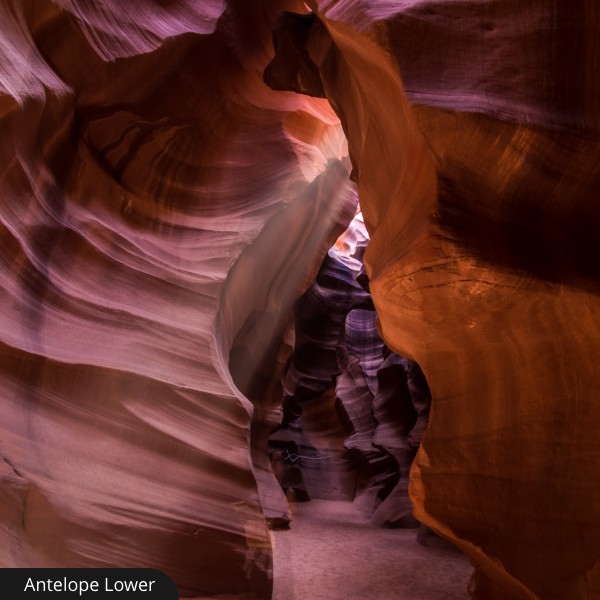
pixel 86 584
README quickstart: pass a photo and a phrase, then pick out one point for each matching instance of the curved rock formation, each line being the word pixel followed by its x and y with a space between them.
pixel 480 201
pixel 162 209
pixel 158 201
pixel 354 412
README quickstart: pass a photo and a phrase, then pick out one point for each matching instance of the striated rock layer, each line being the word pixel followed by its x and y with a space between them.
pixel 160 205
pixel 162 209
pixel 354 412
pixel 479 187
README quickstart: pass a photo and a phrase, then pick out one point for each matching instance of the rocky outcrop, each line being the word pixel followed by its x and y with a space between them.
pixel 478 185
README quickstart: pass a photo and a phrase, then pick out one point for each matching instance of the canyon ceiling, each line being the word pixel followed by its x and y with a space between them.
pixel 172 174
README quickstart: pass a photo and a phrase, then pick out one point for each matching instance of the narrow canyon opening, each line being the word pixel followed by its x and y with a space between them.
pixel 338 419
pixel 354 413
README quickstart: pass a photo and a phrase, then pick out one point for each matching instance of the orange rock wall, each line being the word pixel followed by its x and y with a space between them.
pixel 481 209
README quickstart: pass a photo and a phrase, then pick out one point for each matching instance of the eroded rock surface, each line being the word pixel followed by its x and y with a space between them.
pixel 480 197
pixel 158 202
pixel 162 209
pixel 354 412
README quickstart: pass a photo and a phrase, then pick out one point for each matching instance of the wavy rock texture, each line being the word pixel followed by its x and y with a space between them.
pixel 354 412
pixel 162 209
pixel 316 433
pixel 479 187
pixel 310 396
pixel 159 205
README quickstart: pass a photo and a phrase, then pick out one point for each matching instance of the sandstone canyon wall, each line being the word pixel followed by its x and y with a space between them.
pixel 479 186
pixel 354 412
pixel 162 209
pixel 156 198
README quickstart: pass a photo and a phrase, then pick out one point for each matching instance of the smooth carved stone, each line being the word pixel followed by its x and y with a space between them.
pixel 357 401
pixel 259 354
pixel 349 411
pixel 362 352
pixel 389 425
pixel 310 403
pixel 362 341
pixel 401 407
pixel 159 205
pixel 141 155
pixel 480 203
pixel 320 317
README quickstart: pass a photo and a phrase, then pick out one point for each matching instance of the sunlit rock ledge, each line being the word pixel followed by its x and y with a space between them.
pixel 162 209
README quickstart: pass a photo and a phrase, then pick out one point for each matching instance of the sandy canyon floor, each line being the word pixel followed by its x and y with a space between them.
pixel 333 553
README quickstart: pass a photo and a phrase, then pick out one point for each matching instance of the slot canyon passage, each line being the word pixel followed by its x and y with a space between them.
pixel 178 348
